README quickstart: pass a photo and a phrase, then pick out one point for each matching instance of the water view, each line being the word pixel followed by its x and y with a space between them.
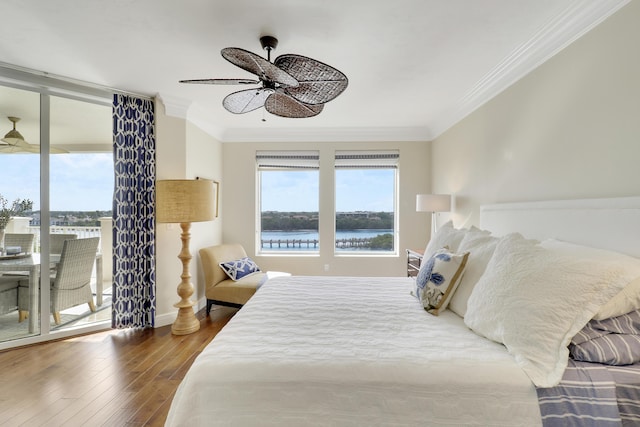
pixel 308 239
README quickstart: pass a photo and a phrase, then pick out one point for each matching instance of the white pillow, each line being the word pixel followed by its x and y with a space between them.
pixel 446 236
pixel 627 300
pixel 480 246
pixel 534 300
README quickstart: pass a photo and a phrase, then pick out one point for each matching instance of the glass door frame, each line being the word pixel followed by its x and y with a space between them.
pixel 49 86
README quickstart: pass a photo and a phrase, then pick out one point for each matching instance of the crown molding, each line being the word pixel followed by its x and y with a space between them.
pixel 578 18
pixel 174 106
pixel 354 134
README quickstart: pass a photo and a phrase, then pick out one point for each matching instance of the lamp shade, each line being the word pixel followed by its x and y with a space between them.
pixel 433 203
pixel 184 200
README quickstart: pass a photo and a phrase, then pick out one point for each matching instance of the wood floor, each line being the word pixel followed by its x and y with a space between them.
pixel 114 378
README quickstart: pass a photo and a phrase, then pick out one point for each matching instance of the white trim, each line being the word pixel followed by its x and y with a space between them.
pixel 325 135
pixel 175 106
pixel 53 84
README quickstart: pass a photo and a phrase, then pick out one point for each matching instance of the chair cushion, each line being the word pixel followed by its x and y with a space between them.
pixel 237 292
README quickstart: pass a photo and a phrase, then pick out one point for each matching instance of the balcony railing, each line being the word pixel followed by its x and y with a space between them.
pixel 104 232
pixel 81 232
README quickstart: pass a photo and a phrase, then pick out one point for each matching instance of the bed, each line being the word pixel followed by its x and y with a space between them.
pixel 354 351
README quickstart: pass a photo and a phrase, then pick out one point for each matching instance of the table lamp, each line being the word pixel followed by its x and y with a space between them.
pixel 184 201
pixel 433 203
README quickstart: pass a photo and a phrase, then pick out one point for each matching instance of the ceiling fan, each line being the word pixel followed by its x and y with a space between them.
pixel 292 86
pixel 13 142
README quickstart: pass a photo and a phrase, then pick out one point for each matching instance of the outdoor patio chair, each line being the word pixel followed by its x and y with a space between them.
pixel 71 285
pixel 22 240
pixel 8 294
pixel 56 242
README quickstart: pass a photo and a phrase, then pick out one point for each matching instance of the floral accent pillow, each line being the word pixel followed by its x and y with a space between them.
pixel 239 268
pixel 438 279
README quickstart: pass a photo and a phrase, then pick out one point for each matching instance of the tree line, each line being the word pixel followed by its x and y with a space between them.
pixel 290 221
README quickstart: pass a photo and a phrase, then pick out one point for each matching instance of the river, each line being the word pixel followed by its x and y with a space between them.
pixel 313 235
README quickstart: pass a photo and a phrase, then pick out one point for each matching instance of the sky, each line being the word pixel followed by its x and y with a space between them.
pixel 79 182
pixel 356 190
pixel 84 182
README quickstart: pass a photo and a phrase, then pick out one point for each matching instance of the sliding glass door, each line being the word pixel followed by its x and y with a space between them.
pixel 80 199
pixel 56 184
pixel 19 198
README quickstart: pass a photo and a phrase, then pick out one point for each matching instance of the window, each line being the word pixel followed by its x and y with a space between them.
pixel 289 200
pixel 366 201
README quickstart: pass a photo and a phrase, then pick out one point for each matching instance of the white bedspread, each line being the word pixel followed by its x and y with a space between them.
pixel 350 351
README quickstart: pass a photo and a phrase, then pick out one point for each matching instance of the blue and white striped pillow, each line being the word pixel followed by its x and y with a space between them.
pixel 613 341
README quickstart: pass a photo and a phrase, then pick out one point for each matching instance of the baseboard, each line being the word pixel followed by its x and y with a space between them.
pixel 169 318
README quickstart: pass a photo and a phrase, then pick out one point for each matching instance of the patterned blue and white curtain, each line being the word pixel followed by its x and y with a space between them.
pixel 134 262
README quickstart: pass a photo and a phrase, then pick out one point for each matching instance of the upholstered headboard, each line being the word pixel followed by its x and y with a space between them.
pixel 612 223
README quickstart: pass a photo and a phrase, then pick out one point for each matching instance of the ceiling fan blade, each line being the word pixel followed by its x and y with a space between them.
pixel 28 148
pixel 55 150
pixel 259 66
pixel 221 81
pixel 246 100
pixel 31 149
pixel 16 142
pixel 10 149
pixel 24 147
pixel 318 82
pixel 283 105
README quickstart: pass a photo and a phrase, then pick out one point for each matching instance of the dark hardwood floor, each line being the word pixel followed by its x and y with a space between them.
pixel 112 378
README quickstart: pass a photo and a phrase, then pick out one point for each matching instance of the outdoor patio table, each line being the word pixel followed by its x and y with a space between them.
pixel 30 264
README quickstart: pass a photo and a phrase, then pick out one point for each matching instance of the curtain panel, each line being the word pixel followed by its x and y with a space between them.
pixel 134 282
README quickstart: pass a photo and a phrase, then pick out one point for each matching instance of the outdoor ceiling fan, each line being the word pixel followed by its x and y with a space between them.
pixel 292 86
pixel 13 142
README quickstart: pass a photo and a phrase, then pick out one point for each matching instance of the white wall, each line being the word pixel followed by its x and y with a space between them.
pixel 183 152
pixel 238 205
pixel 204 160
pixel 570 129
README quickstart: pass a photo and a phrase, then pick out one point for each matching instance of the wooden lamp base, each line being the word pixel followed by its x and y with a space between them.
pixel 186 322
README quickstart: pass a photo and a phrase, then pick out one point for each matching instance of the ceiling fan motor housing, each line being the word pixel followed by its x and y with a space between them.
pixel 268 43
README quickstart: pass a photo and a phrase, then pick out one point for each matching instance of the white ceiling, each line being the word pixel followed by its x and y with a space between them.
pixel 415 67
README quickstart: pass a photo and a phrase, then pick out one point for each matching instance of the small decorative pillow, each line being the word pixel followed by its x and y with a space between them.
pixel 239 268
pixel 438 279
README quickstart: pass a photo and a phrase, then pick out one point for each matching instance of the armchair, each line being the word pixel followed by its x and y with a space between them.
pixel 219 288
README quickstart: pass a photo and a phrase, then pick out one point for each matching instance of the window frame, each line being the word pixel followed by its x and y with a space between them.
pixel 287 160
pixel 368 159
